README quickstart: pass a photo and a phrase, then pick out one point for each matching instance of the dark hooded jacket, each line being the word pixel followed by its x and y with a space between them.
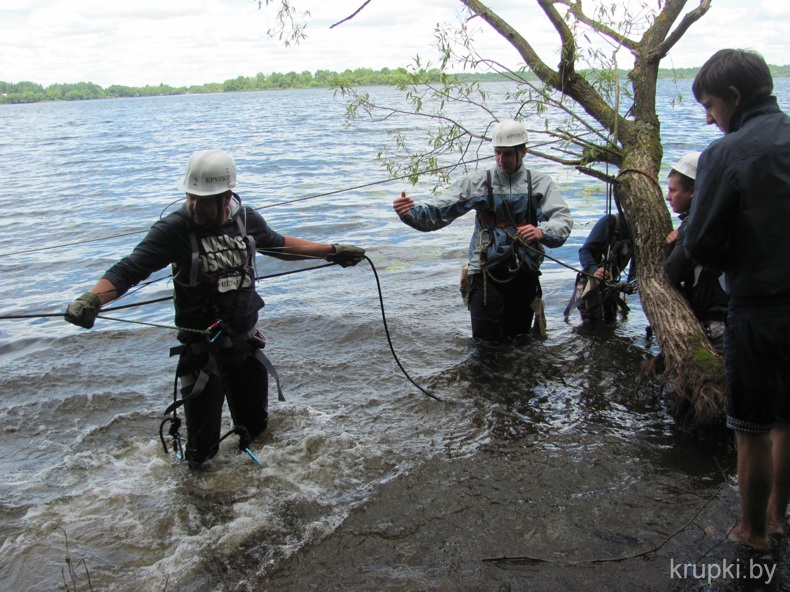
pixel 740 215
pixel 224 286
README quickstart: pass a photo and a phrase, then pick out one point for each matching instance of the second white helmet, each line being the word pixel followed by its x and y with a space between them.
pixel 509 133
pixel 209 172
pixel 687 165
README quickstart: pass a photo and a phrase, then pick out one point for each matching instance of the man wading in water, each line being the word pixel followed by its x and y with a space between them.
pixel 211 243
pixel 519 210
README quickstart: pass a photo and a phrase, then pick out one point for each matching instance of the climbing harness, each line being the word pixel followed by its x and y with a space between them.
pixel 194 383
pixel 596 298
pixel 489 222
pixel 219 335
pixel 214 342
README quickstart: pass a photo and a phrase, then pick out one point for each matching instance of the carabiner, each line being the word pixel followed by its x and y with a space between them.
pixel 212 327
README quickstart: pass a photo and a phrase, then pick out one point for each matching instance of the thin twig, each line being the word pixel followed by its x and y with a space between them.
pixel 356 12
pixel 528 559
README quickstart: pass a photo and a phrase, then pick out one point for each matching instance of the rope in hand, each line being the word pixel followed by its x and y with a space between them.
pixel 607 283
pixel 205 331
pixel 41 315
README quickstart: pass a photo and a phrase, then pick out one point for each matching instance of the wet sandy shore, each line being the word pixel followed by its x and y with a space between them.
pixel 449 524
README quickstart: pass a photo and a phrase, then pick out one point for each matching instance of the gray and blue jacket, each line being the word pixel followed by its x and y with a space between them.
pixel 511 208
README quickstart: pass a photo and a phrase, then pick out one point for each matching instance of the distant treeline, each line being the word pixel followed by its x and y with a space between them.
pixel 30 92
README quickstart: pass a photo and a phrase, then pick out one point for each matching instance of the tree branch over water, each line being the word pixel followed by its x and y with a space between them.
pixel 585 113
pixel 348 18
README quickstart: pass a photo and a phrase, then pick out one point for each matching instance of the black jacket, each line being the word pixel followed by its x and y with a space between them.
pixel 224 257
pixel 699 285
pixel 740 215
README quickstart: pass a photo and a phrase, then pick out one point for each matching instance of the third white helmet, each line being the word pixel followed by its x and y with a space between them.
pixel 687 165
pixel 509 133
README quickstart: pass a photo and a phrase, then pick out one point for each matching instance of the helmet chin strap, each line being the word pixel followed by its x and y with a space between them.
pixel 223 208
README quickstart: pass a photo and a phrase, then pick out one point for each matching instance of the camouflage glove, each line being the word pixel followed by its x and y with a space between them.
pixel 345 255
pixel 82 312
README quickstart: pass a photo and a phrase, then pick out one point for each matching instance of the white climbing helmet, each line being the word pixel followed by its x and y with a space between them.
pixel 687 165
pixel 508 133
pixel 209 172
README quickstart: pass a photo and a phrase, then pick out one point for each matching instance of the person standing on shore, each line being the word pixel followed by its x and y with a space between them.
pixel 738 225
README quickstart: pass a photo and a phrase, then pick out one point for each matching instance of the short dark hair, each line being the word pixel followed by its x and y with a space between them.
pixel 685 181
pixel 744 69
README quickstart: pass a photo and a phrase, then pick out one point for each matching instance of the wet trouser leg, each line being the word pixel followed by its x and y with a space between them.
pixel 502 309
pixel 203 414
pixel 247 387
pixel 239 376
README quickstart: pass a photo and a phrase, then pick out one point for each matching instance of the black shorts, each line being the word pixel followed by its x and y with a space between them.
pixel 757 366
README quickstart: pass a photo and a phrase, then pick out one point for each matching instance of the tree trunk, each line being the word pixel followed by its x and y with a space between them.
pixel 693 364
pixel 689 359
pixel 633 143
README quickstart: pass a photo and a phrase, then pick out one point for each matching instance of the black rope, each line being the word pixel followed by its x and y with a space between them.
pixel 389 340
pixel 39 315
pixel 124 306
pixel 381 304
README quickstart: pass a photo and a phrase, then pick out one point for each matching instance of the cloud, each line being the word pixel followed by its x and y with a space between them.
pixel 773 9
pixel 186 42
pixel 729 23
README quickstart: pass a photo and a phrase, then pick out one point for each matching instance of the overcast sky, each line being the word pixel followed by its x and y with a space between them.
pixel 185 42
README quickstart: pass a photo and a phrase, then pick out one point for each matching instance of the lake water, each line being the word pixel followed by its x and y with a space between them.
pixel 82 467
